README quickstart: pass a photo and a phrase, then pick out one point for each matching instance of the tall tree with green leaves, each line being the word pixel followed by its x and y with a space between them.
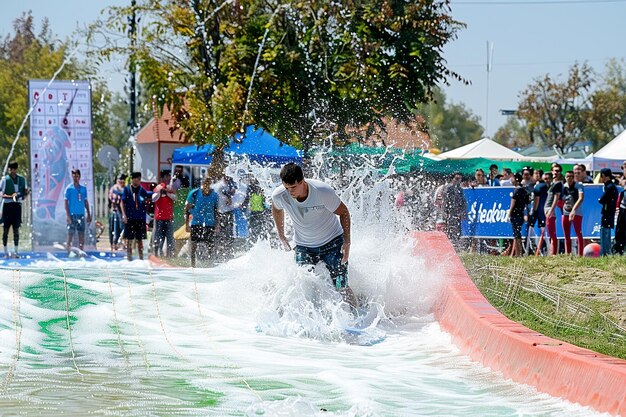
pixel 512 134
pixel 449 125
pixel 607 116
pixel 303 70
pixel 554 111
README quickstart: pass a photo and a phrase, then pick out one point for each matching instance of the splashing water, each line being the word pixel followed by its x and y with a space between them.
pixel 254 336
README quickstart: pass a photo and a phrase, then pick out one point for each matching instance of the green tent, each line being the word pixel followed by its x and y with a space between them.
pixel 383 159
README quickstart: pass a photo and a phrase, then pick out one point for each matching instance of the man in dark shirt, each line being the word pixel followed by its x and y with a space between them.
pixel 133 207
pixel 519 204
pixel 608 201
pixel 540 193
pixel 620 226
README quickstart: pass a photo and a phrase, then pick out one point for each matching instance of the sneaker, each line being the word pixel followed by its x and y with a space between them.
pixel 16 255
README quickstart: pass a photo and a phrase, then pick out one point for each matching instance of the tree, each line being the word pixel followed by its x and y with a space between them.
pixel 449 125
pixel 607 116
pixel 555 111
pixel 303 70
pixel 512 134
pixel 25 55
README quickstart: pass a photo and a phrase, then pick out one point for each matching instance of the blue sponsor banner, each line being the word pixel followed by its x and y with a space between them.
pixel 487 209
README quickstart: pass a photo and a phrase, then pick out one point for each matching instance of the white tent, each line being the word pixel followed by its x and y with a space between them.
pixel 615 149
pixel 483 148
pixel 612 154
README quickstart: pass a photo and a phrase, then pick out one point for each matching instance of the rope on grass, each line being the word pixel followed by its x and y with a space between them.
pixel 562 299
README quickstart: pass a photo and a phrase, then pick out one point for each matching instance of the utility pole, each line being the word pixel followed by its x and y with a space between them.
pixel 132 122
pixel 489 65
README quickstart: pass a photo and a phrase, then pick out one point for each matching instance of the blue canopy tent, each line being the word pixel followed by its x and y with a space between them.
pixel 258 145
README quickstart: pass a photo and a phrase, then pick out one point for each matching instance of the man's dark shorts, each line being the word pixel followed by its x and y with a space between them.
pixel 540 218
pixel 135 229
pixel 517 223
pixel 200 233
pixel 331 255
pixel 12 215
pixel 77 223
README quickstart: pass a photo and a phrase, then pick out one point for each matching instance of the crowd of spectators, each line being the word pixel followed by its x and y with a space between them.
pixel 217 213
pixel 539 199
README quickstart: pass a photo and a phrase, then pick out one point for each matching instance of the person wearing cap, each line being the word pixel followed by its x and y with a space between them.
pixel 608 201
pixel 76 206
pixel 116 225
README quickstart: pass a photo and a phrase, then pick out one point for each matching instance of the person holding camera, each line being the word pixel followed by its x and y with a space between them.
pixel 163 198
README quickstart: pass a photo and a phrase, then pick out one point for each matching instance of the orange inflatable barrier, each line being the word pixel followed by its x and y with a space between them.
pixel 523 355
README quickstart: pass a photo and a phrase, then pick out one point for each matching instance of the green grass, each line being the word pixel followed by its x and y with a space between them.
pixel 579 300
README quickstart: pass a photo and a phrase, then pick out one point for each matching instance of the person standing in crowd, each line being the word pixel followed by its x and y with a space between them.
pixel 540 195
pixel 163 198
pixel 480 179
pixel 321 223
pixel 507 177
pixel 258 211
pixel 202 218
pixel 179 179
pixel 574 194
pixel 555 190
pixel 620 226
pixel 608 201
pixel 76 205
pixel 580 174
pixel 14 190
pixel 519 203
pixel 492 180
pixel 116 225
pixel 438 205
pixel 225 188
pixel 454 207
pixel 133 207
pixel 584 178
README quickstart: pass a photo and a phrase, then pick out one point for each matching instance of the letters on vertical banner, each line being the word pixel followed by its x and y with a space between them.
pixel 60 141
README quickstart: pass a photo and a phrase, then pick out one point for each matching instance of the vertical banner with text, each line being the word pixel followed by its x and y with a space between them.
pixel 60 141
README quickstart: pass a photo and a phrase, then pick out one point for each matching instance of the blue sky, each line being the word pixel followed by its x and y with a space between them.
pixel 530 38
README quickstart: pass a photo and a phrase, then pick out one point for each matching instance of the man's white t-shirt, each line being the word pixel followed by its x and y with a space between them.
pixel 314 220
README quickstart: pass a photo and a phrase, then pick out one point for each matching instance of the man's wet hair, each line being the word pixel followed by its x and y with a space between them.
pixel 291 173
pixel 13 165
pixel 135 175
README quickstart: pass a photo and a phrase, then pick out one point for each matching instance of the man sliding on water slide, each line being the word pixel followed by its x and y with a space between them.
pixel 319 235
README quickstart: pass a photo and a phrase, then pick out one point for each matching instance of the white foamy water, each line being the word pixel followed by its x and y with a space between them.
pixel 255 336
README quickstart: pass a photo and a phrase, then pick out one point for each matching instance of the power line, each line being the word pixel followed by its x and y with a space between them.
pixel 519 64
pixel 532 2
